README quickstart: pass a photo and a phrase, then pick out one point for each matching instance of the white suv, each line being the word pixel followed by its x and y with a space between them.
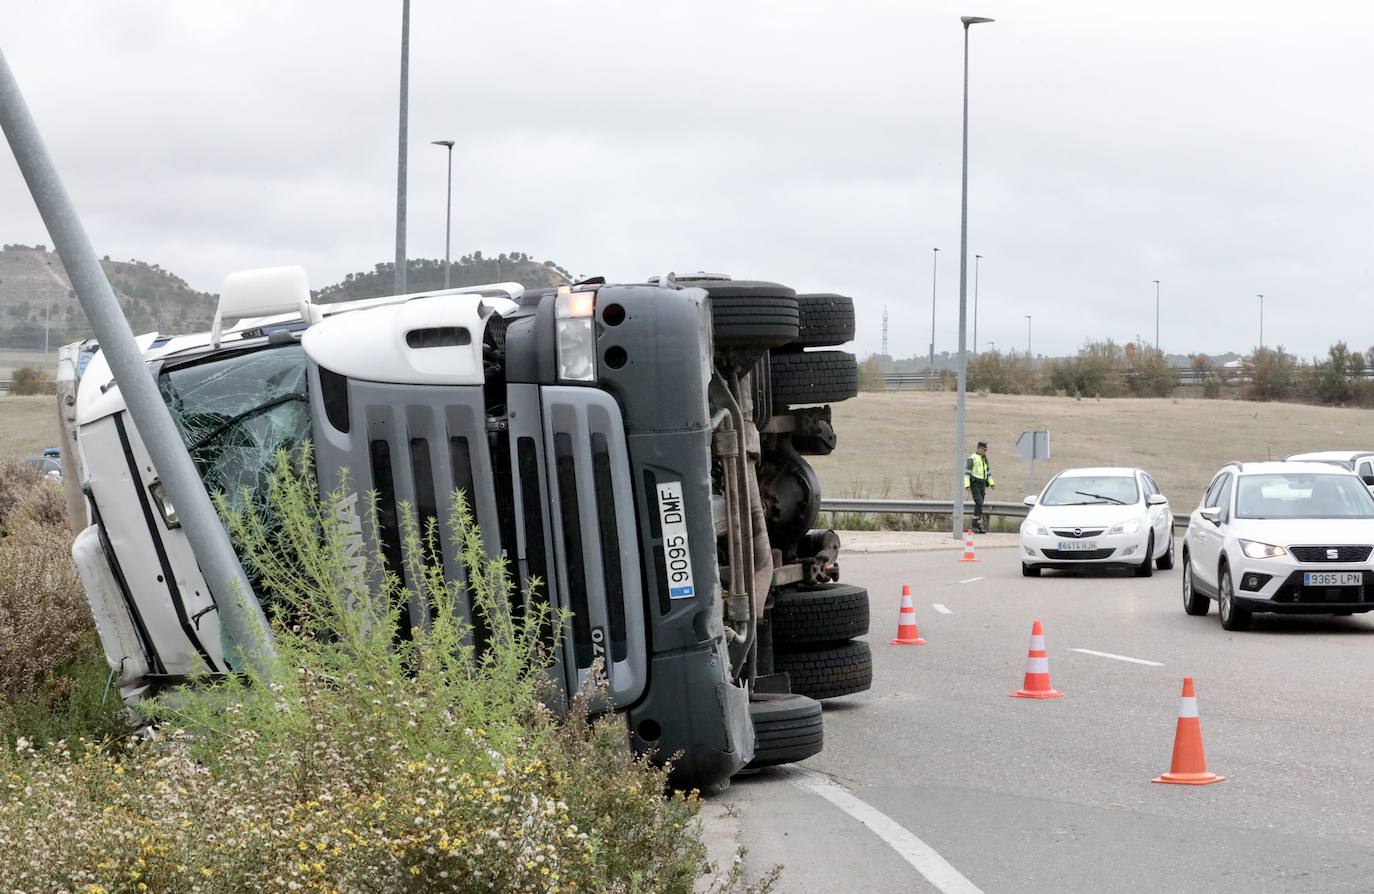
pixel 1360 461
pixel 1280 537
pixel 1108 517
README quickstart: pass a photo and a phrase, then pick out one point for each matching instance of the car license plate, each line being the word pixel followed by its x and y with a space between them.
pixel 1075 545
pixel 1332 579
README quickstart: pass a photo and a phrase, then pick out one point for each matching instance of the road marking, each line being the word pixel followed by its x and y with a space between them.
pixel 923 858
pixel 941 609
pixel 1118 657
pixel 971 580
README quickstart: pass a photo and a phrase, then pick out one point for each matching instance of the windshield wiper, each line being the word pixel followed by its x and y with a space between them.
pixel 1099 498
pixel 248 413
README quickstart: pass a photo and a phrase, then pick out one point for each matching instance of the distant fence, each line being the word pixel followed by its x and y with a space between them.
pixel 4 387
pixel 898 381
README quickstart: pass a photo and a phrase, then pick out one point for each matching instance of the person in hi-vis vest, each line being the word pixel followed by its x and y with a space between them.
pixel 977 480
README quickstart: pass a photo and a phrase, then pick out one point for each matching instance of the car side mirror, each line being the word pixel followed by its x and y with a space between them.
pixel 1031 500
pixel 1368 479
pixel 1156 500
pixel 1212 514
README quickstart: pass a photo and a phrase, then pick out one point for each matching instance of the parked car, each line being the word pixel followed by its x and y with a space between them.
pixel 1280 537
pixel 1361 462
pixel 49 464
pixel 1108 516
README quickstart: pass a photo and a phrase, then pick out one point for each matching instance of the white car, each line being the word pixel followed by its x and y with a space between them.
pixel 1109 516
pixel 1290 537
pixel 1361 462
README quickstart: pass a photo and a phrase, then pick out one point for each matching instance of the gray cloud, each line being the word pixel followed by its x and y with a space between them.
pixel 1222 148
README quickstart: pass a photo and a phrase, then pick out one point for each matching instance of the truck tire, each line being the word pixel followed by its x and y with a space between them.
pixel 814 377
pixel 828 672
pixel 824 319
pixel 830 613
pixel 787 728
pixel 750 314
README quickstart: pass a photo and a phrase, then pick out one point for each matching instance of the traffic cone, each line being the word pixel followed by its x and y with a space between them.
pixel 969 554
pixel 1189 766
pixel 907 634
pixel 1037 682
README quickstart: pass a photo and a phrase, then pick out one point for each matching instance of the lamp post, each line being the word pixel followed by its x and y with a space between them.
pixel 1156 315
pixel 930 368
pixel 1261 298
pixel 963 308
pixel 976 259
pixel 399 282
pixel 1028 339
pixel 448 213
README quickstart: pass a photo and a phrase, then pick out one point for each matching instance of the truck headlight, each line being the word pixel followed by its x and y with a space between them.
pixel 1129 526
pixel 1034 529
pixel 576 336
pixel 1256 550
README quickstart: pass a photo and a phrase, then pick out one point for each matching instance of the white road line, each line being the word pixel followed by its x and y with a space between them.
pixel 941 609
pixel 920 855
pixel 971 580
pixel 1118 657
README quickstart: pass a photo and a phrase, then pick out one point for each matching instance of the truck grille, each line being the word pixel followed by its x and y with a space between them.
pixel 1324 553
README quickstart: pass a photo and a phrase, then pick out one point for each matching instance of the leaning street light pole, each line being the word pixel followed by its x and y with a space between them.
pixel 400 280
pixel 248 638
pixel 1156 315
pixel 963 309
pixel 934 269
pixel 448 214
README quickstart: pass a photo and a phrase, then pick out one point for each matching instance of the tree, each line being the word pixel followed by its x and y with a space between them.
pixel 1270 373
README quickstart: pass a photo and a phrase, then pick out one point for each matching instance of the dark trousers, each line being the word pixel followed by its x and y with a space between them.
pixel 979 490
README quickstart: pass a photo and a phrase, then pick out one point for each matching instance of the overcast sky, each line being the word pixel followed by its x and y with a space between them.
pixel 1221 147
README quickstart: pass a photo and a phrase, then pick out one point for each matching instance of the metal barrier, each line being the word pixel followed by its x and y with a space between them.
pixel 941 507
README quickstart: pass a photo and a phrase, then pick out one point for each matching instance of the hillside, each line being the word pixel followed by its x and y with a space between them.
pixel 34 285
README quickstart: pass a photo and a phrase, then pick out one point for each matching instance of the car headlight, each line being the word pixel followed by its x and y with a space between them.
pixel 1257 550
pixel 1034 529
pixel 576 335
pixel 1130 526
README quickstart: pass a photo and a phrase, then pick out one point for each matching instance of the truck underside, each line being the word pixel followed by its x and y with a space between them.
pixel 639 449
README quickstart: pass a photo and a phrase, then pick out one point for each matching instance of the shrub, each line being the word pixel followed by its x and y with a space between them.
pixel 354 761
pixel 1334 379
pixel 1206 371
pixel 31 380
pixel 1009 373
pixel 871 375
pixel 1271 374
pixel 1151 375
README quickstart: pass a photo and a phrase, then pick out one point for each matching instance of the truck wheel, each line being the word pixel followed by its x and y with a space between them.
pixel 825 319
pixel 826 614
pixel 828 672
pixel 814 377
pixel 747 314
pixel 787 728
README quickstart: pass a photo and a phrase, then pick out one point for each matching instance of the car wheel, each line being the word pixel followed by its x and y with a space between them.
pixel 1194 603
pixel 1029 571
pixel 1166 561
pixel 1147 567
pixel 1233 617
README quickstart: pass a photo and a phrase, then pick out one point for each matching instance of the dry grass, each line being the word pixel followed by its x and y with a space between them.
pixel 897 444
pixel 27 425
pixel 12 360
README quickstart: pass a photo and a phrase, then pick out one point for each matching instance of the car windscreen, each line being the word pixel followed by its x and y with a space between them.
pixel 236 412
pixel 1303 495
pixel 1091 490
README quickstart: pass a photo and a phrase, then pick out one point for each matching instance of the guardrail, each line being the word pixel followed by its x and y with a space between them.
pixel 942 507
pixel 1229 376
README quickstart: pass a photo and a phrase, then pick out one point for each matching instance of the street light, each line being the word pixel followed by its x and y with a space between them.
pixel 976 259
pixel 963 309
pixel 1028 340
pixel 399 283
pixel 930 369
pixel 1156 315
pixel 1261 298
pixel 448 214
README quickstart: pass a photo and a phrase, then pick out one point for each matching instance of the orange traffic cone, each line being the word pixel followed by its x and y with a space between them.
pixel 1037 682
pixel 907 634
pixel 969 554
pixel 1189 766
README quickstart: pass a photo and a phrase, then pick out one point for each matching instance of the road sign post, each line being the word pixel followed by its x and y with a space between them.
pixel 1033 445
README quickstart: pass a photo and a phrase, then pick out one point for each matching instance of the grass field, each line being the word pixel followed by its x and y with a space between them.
pixel 12 360
pixel 27 425
pixel 900 444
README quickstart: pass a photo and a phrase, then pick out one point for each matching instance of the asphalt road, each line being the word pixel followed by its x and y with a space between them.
pixel 1020 795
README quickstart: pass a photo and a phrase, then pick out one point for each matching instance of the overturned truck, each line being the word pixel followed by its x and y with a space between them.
pixel 638 448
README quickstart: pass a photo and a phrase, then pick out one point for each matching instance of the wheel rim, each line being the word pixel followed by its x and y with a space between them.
pixel 1224 609
pixel 1187 584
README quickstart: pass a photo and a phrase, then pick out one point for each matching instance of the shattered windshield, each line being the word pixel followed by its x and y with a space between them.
pixel 235 413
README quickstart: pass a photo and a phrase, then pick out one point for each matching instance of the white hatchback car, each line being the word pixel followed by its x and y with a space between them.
pixel 1109 516
pixel 1293 537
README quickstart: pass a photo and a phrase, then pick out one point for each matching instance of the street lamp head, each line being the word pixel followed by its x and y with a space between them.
pixel 447 144
pixel 974 20
pixel 978 257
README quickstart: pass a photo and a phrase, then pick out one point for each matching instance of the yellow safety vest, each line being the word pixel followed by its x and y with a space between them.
pixel 977 468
